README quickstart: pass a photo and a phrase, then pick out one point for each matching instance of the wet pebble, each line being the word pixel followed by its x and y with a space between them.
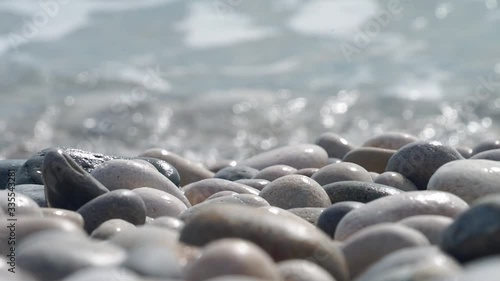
pixel 331 216
pixel 335 145
pixel 274 172
pixel 236 173
pixel 72 216
pixel 199 191
pixel 164 168
pixel 396 180
pixel 221 194
pixel 391 140
pixel 159 203
pixel 371 158
pixel 297 156
pixel 258 184
pixel 431 226
pixel 111 227
pixel 167 222
pixel 341 172
pixel 359 191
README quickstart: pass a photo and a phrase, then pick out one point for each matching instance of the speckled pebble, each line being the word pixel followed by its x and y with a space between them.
pixel 335 145
pixel 274 172
pixel 111 227
pixel 236 173
pixel 371 158
pixel 391 140
pixel 341 172
pixel 431 226
pixel 298 156
pixel 396 180
pixel 359 191
pixel 199 191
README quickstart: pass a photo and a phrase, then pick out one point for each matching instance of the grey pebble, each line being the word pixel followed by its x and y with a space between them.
pixel 335 145
pixel 298 156
pixel 111 227
pixel 160 203
pixel 199 191
pixel 302 270
pixel 359 191
pixel 258 184
pixel 331 216
pixel 431 226
pixel 33 191
pixel 341 172
pixel 236 173
pixel 274 172
pixel 396 180
pixel 309 214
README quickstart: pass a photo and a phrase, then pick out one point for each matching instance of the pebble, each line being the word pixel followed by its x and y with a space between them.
pixel 333 161
pixel 419 160
pixel 189 171
pixel 258 184
pixel 371 158
pixel 374 242
pixel 103 274
pixel 493 154
pixel 33 191
pixel 295 191
pixel 8 171
pixel 468 179
pixel 274 172
pixel 280 236
pixel 302 270
pixel 221 194
pixel 486 145
pixel 67 185
pixel 199 191
pixel 396 180
pixel 484 269
pixel 397 207
pixel 465 151
pixel 297 156
pixel 149 261
pixel 308 172
pixel 129 174
pixel 359 191
pixel 416 264
pixel 236 173
pixel 235 278
pixel 474 234
pixel 145 236
pixel 117 204
pixel 111 227
pixel 24 206
pixel 309 214
pixel 331 216
pixel 167 222
pixel 391 140
pixel 431 226
pixel 374 175
pixel 335 145
pixel 220 164
pixel 164 168
pixel 160 203
pixel 232 257
pixel 341 172
pixel 55 255
pixel 72 216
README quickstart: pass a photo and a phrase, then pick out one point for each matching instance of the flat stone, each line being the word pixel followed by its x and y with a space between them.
pixel 274 172
pixel 492 154
pixel 164 168
pixel 258 184
pixel 359 191
pixel 236 173
pixel 397 207
pixel 374 242
pixel 419 160
pixel 68 185
pixel 117 204
pixel 297 156
pixel 486 145
pixel 295 191
pixel 199 191
pixel 160 203
pixel 23 205
pixel 465 151
pixel 129 174
pixel 302 270
pixel 309 214
pixel 474 234
pixel 396 180
pixel 72 216
pixel 341 172
pixel 431 226
pixel 33 191
pixel 416 264
pixel 391 140
pixel 111 227
pixel 232 257
pixel 8 171
pixel 153 262
pixel 331 216
pixel 371 158
pixel 308 172
pixel 468 179
pixel 335 145
pixel 167 222
pixel 189 171
pixel 280 236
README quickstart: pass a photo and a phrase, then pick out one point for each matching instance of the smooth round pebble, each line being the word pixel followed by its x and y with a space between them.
pixel 373 243
pixel 391 140
pixel 258 184
pixel 308 172
pixel 493 154
pixel 221 194
pixel 483 269
pixel 298 156
pixel 359 191
pixel 295 191
pixel 419 160
pixel 117 204
pixel 236 173
pixel 341 172
pixel 103 274
pixel 468 179
pixel 111 227
pixel 199 191
pixel 396 180
pixel 24 206
pixel 486 145
pixel 159 203
pixel 397 207
pixel 72 216
pixel 309 214
pixel 371 158
pixel 221 164
pixel 331 216
pixel 431 226
pixel 168 222
pixel 335 145
pixel 150 261
pixel 274 172
pixel 232 257
pixel 146 236
pixel 374 175
pixel 33 191
pixel 302 270
pixel 164 168
pixel 465 151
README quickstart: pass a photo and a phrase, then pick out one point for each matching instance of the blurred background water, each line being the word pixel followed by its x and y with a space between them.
pixel 213 79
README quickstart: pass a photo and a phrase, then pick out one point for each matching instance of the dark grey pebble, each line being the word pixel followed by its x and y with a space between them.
pixel 309 214
pixel 164 168
pixel 486 145
pixel 359 191
pixel 465 151
pixel 150 261
pixel 33 191
pixel 117 204
pixel 419 160
pixel 68 185
pixel 492 154
pixel 8 171
pixel 335 145
pixel 331 216
pixel 395 180
pixel 236 173
pixel 258 184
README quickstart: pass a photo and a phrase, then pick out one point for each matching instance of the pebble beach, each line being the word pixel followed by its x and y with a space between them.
pixel 395 208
